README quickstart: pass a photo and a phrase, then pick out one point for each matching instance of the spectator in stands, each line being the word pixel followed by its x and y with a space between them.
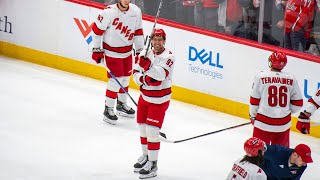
pixel 206 14
pixel 229 15
pixel 139 3
pixel 298 14
pixel 248 27
pixel 185 12
pixel 151 7
pixel 277 27
pixel 168 9
pixel 313 42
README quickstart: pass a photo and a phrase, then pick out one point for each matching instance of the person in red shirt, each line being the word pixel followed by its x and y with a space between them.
pixel 206 14
pixel 298 15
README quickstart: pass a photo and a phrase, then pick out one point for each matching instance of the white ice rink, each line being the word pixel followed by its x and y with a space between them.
pixel 51 128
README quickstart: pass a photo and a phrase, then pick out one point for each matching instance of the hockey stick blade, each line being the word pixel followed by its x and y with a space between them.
pixel 163 136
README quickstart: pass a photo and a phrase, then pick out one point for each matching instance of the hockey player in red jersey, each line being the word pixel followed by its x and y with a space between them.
pixel 119 26
pixel 247 168
pixel 153 73
pixel 303 124
pixel 274 97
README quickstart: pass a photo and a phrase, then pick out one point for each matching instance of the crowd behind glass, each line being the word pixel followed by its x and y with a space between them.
pixel 241 18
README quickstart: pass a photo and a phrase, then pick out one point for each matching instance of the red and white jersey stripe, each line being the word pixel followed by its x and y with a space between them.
pixel 274 97
pixel 116 31
pixel 161 70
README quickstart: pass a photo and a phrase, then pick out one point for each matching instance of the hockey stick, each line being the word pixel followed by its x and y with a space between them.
pixel 114 77
pixel 164 138
pixel 154 26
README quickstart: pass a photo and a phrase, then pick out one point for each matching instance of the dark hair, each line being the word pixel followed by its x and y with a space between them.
pixel 257 160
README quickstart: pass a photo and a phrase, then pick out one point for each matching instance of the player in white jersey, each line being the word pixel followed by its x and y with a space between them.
pixel 154 76
pixel 247 168
pixel 115 31
pixel 274 97
pixel 303 124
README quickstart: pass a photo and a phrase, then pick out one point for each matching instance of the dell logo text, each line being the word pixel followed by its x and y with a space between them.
pixel 204 57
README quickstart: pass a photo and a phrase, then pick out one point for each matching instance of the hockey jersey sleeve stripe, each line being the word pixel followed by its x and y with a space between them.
pixel 123 49
pixel 297 102
pixel 138 32
pixel 314 103
pixel 273 121
pixel 96 30
pixel 254 101
pixel 156 93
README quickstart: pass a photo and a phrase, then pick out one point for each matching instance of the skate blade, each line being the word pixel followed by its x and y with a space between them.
pixel 113 122
pixel 146 176
pixel 120 113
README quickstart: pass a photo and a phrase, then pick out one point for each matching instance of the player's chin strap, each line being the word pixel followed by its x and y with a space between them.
pixel 163 136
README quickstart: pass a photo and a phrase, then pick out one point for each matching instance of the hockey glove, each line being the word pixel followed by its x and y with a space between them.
pixel 303 124
pixel 151 82
pixel 144 62
pixel 97 55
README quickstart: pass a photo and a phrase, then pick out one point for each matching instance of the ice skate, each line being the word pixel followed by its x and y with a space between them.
pixel 124 110
pixel 140 163
pixel 109 116
pixel 149 170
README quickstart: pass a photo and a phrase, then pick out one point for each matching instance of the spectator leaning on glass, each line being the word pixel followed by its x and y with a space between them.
pixel 285 163
pixel 298 15
pixel 206 14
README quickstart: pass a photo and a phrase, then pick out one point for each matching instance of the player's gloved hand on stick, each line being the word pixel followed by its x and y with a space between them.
pixel 144 62
pixel 97 55
pixel 303 124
